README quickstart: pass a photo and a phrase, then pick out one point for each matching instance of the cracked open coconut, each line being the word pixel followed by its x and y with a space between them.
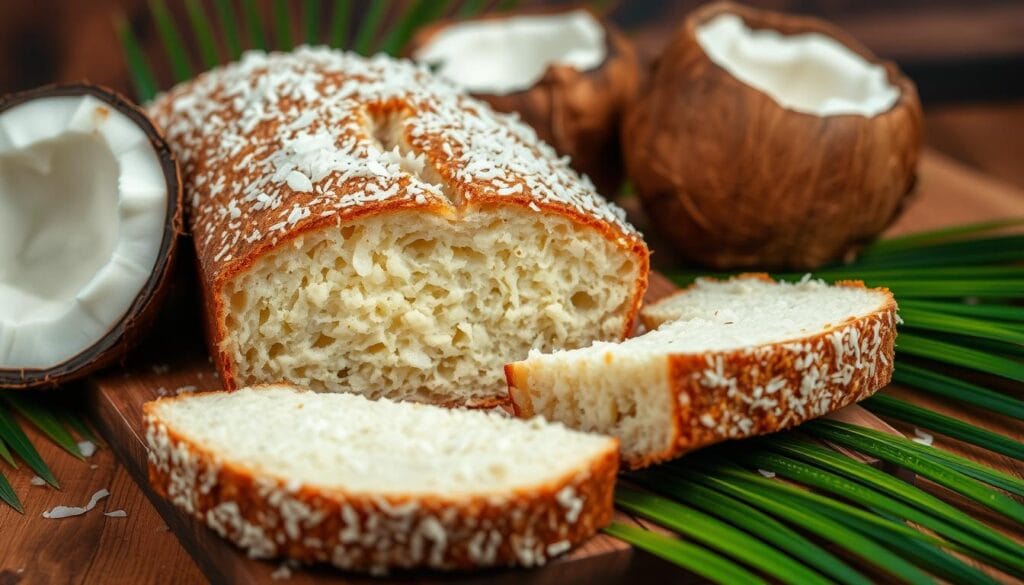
pixel 771 140
pixel 568 73
pixel 90 211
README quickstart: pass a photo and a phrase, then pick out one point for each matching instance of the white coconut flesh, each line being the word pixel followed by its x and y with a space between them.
pixel 83 203
pixel 810 73
pixel 499 56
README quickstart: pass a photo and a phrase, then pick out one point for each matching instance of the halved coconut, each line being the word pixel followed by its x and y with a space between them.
pixel 771 140
pixel 90 212
pixel 566 71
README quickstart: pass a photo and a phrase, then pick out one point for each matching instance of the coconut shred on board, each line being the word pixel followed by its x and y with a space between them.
pixel 68 511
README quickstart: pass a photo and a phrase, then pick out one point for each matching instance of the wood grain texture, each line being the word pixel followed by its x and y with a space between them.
pixel 89 549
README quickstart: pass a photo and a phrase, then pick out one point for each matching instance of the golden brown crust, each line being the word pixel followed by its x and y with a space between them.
pixel 577 112
pixel 734 179
pixel 365 532
pixel 740 393
pixel 241 209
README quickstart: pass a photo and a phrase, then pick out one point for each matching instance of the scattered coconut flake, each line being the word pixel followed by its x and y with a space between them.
pixel 36 480
pixel 161 369
pixel 922 437
pixel 116 514
pixel 94 466
pixel 161 391
pixel 68 511
pixel 283 571
pixel 766 473
pixel 186 389
pixel 86 448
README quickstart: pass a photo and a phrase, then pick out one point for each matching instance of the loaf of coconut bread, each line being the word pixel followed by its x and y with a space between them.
pixel 723 360
pixel 378 485
pixel 362 226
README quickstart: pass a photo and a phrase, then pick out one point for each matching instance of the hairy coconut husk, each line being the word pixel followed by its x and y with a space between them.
pixel 733 179
pixel 579 113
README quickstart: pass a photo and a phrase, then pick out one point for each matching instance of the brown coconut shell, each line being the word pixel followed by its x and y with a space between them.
pixel 579 113
pixel 126 333
pixel 733 179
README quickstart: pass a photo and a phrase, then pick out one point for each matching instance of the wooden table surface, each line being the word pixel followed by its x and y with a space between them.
pixel 139 548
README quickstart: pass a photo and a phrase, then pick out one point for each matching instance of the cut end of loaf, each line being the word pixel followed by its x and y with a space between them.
pixel 419 306
pixel 729 359
pixel 375 485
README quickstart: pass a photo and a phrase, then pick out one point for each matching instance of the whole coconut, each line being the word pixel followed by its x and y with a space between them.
pixel 800 163
pixel 576 110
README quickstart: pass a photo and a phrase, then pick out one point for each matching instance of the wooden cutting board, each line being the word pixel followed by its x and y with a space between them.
pixel 176 361
pixel 175 358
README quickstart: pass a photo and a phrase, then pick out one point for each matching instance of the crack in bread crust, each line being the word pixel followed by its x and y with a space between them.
pixel 281 146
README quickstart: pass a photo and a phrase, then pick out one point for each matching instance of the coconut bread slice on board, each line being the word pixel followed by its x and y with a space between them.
pixel 725 360
pixel 374 485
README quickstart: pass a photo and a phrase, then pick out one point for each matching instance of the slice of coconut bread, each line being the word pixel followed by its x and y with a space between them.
pixel 726 359
pixel 374 485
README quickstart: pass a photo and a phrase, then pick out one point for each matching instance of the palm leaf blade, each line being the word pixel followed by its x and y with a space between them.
pixel 960 356
pixel 923 319
pixel 819 524
pixel 310 20
pixel 167 31
pixel 849 490
pixel 5 454
pixel 936 383
pixel 918 239
pixel 696 559
pixel 368 27
pixel 203 33
pixel 752 520
pixel 257 38
pixel 8 496
pixel 339 23
pixel 46 421
pixel 283 21
pixel 903 452
pixel 946 425
pixel 226 15
pixel 892 486
pixel 142 77
pixel 715 534
pixel 12 434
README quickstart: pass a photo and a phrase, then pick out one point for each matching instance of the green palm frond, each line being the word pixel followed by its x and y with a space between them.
pixel 696 559
pixel 58 421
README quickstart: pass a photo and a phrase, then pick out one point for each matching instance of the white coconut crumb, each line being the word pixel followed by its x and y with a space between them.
pixel 116 514
pixel 186 389
pixel 283 571
pixel 36 480
pixel 68 511
pixel 923 438
pixel 161 391
pixel 161 369
pixel 767 473
pixel 86 448
pixel 94 466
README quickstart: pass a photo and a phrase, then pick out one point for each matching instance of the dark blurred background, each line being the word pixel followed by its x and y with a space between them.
pixel 967 57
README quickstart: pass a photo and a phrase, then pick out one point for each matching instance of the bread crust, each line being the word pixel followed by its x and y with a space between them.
pixel 721 395
pixel 268 517
pixel 232 229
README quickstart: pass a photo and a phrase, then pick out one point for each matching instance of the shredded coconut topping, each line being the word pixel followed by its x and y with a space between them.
pixel 286 140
